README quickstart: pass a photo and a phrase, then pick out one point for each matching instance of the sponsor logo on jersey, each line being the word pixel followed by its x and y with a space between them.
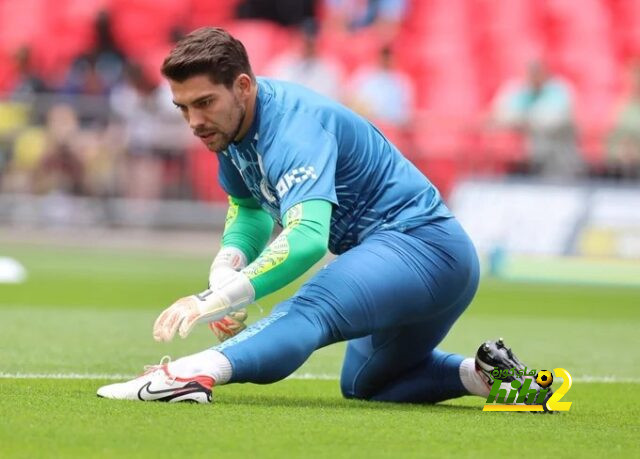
pixel 297 175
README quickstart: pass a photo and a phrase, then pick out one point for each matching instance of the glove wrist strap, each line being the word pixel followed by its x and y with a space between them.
pixel 236 290
pixel 229 257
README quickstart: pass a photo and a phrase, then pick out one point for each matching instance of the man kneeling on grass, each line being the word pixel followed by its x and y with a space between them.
pixel 406 269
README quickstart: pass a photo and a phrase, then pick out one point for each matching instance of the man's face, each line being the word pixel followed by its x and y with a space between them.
pixel 214 112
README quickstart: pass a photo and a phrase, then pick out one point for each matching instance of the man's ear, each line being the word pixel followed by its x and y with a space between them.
pixel 243 85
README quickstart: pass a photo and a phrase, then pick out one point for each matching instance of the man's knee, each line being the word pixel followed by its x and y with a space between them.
pixel 351 389
pixel 348 390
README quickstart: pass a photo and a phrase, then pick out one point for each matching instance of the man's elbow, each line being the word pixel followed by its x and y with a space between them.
pixel 318 249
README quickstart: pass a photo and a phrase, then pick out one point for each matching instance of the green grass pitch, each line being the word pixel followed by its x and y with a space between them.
pixel 85 316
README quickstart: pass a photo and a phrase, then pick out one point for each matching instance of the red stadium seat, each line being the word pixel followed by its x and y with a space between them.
pixel 363 48
pixel 210 13
pixel 7 72
pixel 262 39
pixel 20 22
pixel 151 62
pixel 594 115
pixel 69 32
pixel 626 18
pixel 143 24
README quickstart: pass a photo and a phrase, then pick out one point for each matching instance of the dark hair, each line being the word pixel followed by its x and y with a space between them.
pixel 211 51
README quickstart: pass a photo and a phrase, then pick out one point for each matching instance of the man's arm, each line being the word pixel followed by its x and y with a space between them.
pixel 246 232
pixel 302 242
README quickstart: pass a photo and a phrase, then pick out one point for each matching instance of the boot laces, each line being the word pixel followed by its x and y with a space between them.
pixel 165 360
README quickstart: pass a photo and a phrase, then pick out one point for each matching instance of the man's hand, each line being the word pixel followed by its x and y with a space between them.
pixel 230 325
pixel 182 315
pixel 232 291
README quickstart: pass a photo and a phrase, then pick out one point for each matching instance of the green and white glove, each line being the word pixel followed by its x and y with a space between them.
pixel 231 292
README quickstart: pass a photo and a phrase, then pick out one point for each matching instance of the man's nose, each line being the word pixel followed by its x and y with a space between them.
pixel 196 120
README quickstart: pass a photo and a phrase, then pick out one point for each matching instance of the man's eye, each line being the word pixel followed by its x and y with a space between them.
pixel 205 103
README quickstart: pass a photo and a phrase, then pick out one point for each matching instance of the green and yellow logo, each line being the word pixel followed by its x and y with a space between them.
pixel 499 400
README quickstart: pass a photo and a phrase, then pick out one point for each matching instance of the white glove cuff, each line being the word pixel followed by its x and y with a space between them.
pixel 235 288
pixel 229 257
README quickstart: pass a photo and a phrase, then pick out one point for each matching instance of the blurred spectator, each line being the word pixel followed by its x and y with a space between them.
pixel 541 107
pixel 64 159
pixel 97 71
pixel 383 15
pixel 16 110
pixel 21 158
pixel 45 159
pixel 381 93
pixel 306 67
pixel 283 12
pixel 156 135
pixel 623 149
pixel 102 154
pixel 60 169
pixel 28 82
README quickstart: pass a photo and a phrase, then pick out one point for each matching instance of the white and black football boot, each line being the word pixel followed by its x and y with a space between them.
pixel 494 355
pixel 156 384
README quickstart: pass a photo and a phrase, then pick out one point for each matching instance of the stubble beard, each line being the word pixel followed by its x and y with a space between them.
pixel 228 138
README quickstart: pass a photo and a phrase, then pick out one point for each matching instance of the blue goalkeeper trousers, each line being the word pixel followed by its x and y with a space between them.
pixel 394 297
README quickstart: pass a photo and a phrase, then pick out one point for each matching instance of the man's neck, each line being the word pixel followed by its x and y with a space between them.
pixel 250 114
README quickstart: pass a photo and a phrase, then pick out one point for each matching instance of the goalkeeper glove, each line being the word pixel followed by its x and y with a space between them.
pixel 231 292
pixel 232 324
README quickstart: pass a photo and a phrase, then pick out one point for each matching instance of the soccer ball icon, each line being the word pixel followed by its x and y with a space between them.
pixel 544 378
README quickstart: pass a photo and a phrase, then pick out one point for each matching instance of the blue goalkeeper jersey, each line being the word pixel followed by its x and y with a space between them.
pixel 303 146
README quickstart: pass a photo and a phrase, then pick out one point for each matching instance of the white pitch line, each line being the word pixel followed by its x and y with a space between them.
pixel 64 376
pixel 304 376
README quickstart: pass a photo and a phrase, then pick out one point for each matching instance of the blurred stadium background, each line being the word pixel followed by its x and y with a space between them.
pixel 525 113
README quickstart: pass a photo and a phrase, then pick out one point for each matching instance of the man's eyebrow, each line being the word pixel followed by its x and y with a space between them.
pixel 199 99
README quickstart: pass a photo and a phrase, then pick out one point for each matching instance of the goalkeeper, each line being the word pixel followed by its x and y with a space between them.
pixel 406 269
